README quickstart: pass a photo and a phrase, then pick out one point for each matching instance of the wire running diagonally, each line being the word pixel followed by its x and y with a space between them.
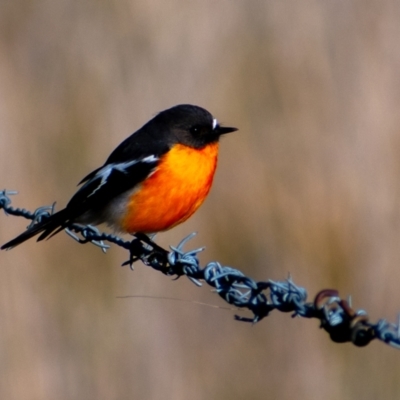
pixel 336 316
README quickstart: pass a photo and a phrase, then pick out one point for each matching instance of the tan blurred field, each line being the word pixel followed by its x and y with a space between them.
pixel 310 185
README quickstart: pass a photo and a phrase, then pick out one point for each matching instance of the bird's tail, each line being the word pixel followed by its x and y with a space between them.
pixel 57 221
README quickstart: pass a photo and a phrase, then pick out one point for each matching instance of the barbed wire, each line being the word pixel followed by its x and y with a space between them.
pixel 338 319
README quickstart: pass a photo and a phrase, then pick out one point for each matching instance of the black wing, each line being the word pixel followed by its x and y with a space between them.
pixel 108 182
pixel 148 141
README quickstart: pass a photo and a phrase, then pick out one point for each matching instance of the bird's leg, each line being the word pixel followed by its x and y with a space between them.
pixel 145 249
pixel 148 239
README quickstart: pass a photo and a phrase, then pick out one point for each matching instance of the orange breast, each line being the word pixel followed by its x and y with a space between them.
pixel 175 190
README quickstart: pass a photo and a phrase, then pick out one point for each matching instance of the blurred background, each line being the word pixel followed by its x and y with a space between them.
pixel 309 185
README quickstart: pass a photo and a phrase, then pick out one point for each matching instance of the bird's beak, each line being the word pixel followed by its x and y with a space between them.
pixel 222 130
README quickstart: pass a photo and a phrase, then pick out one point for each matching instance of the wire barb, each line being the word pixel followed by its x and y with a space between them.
pixel 336 315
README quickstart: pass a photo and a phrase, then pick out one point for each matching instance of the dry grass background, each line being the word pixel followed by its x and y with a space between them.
pixel 309 185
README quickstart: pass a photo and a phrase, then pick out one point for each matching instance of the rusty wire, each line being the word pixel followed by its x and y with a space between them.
pixel 337 317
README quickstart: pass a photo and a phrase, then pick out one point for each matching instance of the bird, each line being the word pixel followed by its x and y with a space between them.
pixel 154 180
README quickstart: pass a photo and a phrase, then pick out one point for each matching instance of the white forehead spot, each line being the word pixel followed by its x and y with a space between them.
pixel 215 123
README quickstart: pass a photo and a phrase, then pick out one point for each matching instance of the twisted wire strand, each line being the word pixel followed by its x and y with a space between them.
pixel 336 316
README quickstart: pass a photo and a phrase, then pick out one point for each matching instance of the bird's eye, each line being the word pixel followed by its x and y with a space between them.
pixel 195 130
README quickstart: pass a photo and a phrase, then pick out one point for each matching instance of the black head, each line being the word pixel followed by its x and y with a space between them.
pixel 186 124
pixel 189 125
